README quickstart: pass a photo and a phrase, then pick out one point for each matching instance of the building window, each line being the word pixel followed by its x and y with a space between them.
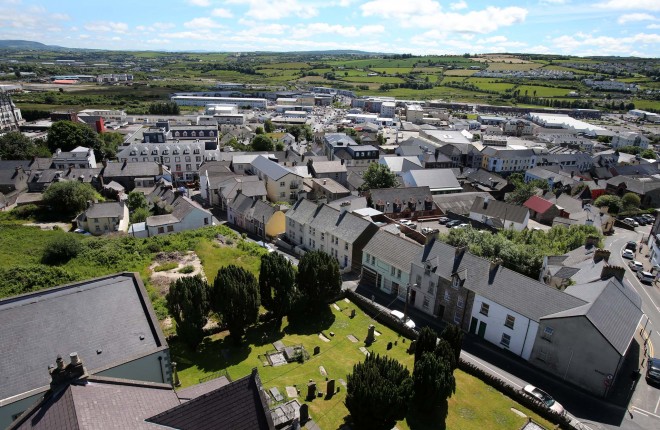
pixel 510 321
pixel 282 184
pixel 177 158
pixel 447 296
pixel 418 279
pixel 455 282
pixel 188 166
pixel 484 309
pixel 543 355
pixel 506 340
pixel 187 158
pixel 398 273
pixel 178 167
pixel 392 270
pixel 206 221
pixel 547 333
pixel 282 194
pixel 366 257
pixel 460 302
pixel 346 246
pixel 431 287
pixel 373 260
pixel 425 304
pixel 457 316
pixel 170 228
pixel 161 229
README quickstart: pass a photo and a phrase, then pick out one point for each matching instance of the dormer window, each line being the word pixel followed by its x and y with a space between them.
pixel 176 134
pixel 185 134
pixel 166 152
pixel 175 152
pixel 186 151
pixel 211 133
pixel 154 152
pixel 193 134
pixel 134 152
pixel 196 151
pixel 456 282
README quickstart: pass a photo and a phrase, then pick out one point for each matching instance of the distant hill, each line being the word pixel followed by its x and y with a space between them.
pixel 28 44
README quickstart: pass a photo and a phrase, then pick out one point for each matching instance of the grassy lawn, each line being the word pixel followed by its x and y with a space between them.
pixel 215 256
pixel 460 72
pixel 474 406
pixel 544 91
pixel 494 67
pixel 647 104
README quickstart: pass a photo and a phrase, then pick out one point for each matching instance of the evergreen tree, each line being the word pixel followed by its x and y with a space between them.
pixel 453 335
pixel 261 142
pixel 188 303
pixel 378 392
pixel 433 381
pixel 268 126
pixel 235 296
pixel 426 342
pixel 277 285
pixel 318 279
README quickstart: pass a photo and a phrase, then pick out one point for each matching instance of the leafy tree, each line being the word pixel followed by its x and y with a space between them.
pixel 426 342
pixel 434 381
pixel 188 303
pixel 67 135
pixel 318 278
pixel 69 197
pixel 259 130
pixel 136 200
pixel 268 126
pixel 524 191
pixel 168 108
pixel 648 154
pixel 236 298
pixel 110 142
pixel 378 176
pixel 612 202
pixel 17 146
pixel 453 335
pixel 277 285
pixel 378 392
pixel 631 201
pixel 140 215
pixel 261 142
pixel 380 138
pixel 61 249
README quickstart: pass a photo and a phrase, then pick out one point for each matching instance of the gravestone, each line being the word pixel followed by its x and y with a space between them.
pixel 389 345
pixel 323 371
pixel 352 313
pixel 304 413
pixel 330 387
pixel 370 335
pixel 317 350
pixel 311 390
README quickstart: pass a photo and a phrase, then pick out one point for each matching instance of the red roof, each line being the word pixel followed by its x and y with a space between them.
pixel 537 204
pixel 65 81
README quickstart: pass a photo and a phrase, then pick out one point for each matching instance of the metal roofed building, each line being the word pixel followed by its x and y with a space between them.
pixel 109 321
pixel 440 181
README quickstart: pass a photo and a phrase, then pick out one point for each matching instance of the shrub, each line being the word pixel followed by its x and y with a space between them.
pixel 61 249
pixel 25 212
pixel 187 269
pixel 166 266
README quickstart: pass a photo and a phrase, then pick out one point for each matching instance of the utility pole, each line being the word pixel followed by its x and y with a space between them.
pixel 405 306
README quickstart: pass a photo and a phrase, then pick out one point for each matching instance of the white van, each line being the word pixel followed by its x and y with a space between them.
pixel 399 315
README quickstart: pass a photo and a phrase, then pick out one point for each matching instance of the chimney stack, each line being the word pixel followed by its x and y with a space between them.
pixel 608 272
pixel 460 251
pixel 61 374
pixel 495 264
pixel 601 254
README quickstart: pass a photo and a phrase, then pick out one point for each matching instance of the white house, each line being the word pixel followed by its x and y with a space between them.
pixel 185 215
pixel 629 138
pixel 282 184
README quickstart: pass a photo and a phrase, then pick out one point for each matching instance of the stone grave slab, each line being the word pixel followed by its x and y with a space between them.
pixel 291 392
pixel 352 338
pixel 277 359
pixel 323 338
pixel 376 332
pixel 364 350
pixel 276 394
pixel 346 300
pixel 289 353
pixel 334 305
pixel 322 370
pixel 279 345
pixel 342 382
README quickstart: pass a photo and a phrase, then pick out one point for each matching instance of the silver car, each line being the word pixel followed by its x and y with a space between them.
pixel 544 398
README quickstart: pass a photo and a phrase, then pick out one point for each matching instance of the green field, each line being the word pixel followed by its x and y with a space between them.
pixel 544 91
pixel 373 79
pixel 512 66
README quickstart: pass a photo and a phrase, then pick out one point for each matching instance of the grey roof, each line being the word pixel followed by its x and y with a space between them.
pixel 193 391
pixel 350 227
pixel 350 203
pixel 510 289
pixel 135 169
pixel 435 179
pixel 414 198
pixel 248 185
pixel 112 314
pixel 252 208
pixel 338 139
pixel 409 150
pixel 302 211
pixel 612 307
pixel 106 210
pixel 158 220
pixel 401 163
pixel 8 169
pixel 383 245
pixel 325 218
pixel 240 405
pixel 334 166
pixel 499 210
pixel 270 168
pixel 459 203
pixel 100 403
pixel 490 179
pixel 639 186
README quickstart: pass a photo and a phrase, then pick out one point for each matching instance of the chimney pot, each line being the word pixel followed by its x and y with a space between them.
pixel 59 362
pixel 74 358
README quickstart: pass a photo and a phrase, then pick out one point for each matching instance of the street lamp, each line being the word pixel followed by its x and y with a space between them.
pixel 405 306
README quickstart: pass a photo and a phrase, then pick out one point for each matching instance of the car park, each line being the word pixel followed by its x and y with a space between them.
pixel 636 265
pixel 631 221
pixel 627 253
pixel 429 230
pixel 653 371
pixel 645 277
pixel 452 223
pixel 462 225
pixel 544 398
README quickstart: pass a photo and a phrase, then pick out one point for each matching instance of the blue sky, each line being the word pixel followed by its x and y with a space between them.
pixel 577 27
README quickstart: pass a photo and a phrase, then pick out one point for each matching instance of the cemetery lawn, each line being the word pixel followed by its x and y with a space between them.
pixel 475 405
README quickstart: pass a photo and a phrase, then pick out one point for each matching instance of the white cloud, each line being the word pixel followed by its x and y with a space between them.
pixel 458 5
pixel 202 3
pixel 553 1
pixel 222 13
pixel 634 17
pixel 273 10
pixel 429 14
pixel 653 26
pixel 159 26
pixel 494 39
pixel 345 3
pixel 653 5
pixel 107 26
pixel 310 30
pixel 201 23
pixel 587 44
pixel 256 28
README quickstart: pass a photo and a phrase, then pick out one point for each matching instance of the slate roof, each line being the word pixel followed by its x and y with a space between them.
pixel 612 307
pixel 639 186
pixel 135 169
pixel 401 164
pixel 302 211
pixel 106 210
pixel 420 197
pixel 510 289
pixel 459 203
pixel 409 150
pixel 490 179
pixel 100 403
pixel 349 203
pixel 435 179
pixel 197 390
pixel 499 210
pixel 338 139
pixel 112 314
pixel 251 208
pixel 270 168
pixel 350 227
pixel 393 249
pixel 240 405
pixel 335 166
pixel 8 169
pixel 248 185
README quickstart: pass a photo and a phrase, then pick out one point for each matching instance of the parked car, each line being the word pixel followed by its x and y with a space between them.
pixel 544 398
pixel 628 254
pixel 463 225
pixel 636 265
pixel 443 220
pixel 266 246
pixel 408 223
pixel 428 230
pixel 631 222
pixel 632 245
pixel 452 223
pixel 399 315
pixel 653 371
pixel 640 220
pixel 645 277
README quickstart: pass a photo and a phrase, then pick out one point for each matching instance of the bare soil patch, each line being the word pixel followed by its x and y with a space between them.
pixel 162 280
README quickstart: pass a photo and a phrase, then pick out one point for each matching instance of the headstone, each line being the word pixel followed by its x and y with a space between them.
pixel 330 387
pixel 279 345
pixel 332 334
pixel 342 382
pixel 322 370
pixel 352 313
pixel 304 413
pixel 317 350
pixel 370 335
pixel 291 392
pixel 334 305
pixel 311 390
pixel 389 345
pixel 276 394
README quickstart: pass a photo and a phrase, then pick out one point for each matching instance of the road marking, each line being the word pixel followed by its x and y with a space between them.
pixel 656 406
pixel 494 371
pixel 646 413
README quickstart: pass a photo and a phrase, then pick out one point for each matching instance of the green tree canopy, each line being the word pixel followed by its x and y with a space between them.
pixel 261 142
pixel 631 201
pixel 17 146
pixel 318 279
pixel 69 197
pixel 277 285
pixel 524 191
pixel 378 392
pixel 136 200
pixel 378 176
pixel 110 142
pixel 259 130
pixel 648 154
pixel 61 249
pixel 236 298
pixel 268 126
pixel 188 303
pixel 612 202
pixel 453 335
pixel 434 381
pixel 67 135
pixel 140 215
pixel 426 342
